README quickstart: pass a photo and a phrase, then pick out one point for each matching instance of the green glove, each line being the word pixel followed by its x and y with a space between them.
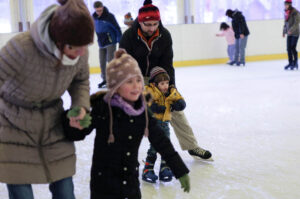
pixel 73 112
pixel 185 183
pixel 85 122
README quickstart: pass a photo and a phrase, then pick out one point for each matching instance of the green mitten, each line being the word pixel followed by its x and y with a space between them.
pixel 85 122
pixel 185 183
pixel 73 112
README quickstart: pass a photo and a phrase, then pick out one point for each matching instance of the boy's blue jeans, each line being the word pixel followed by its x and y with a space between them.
pixel 62 189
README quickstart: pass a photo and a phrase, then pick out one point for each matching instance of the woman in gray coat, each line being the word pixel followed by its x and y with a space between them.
pixel 36 68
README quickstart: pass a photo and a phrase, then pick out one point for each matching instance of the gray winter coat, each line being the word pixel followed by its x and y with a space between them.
pixel 33 148
pixel 292 24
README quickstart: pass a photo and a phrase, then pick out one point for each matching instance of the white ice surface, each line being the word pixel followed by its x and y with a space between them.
pixel 248 117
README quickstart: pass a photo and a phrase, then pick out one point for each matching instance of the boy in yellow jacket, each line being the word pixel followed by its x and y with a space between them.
pixel 164 100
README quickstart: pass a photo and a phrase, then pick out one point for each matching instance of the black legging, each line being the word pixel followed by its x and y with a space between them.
pixel 291 49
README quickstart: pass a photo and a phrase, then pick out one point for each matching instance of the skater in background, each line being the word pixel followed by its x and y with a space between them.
pixel 164 100
pixel 128 20
pixel 121 120
pixel 36 68
pixel 150 43
pixel 241 33
pixel 109 34
pixel 227 32
pixel 291 29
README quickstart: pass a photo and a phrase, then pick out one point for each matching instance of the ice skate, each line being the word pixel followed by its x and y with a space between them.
pixel 288 66
pixel 148 173
pixel 102 84
pixel 202 154
pixel 294 66
pixel 165 173
pixel 232 63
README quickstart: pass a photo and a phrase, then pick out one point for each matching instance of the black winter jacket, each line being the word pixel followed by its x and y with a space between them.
pixel 239 24
pixel 115 167
pixel 161 53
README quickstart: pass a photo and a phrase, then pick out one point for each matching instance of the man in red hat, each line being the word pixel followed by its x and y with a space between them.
pixel 291 28
pixel 151 45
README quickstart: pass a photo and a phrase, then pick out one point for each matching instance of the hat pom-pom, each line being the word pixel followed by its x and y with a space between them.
pixel 119 53
pixel 147 2
pixel 62 2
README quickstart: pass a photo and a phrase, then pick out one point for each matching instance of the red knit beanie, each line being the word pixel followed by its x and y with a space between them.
pixel 288 1
pixel 148 12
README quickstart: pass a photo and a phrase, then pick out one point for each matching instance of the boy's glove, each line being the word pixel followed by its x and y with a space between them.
pixel 85 122
pixel 179 105
pixel 155 108
pixel 185 183
pixel 148 97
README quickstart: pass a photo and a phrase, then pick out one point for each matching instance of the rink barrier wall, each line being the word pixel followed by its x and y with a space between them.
pixel 95 70
pixel 196 44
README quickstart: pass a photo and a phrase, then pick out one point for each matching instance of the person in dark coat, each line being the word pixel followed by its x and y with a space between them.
pixel 109 34
pixel 291 29
pixel 150 43
pixel 121 119
pixel 241 33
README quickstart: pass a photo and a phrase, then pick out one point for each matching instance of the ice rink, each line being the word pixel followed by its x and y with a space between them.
pixel 248 117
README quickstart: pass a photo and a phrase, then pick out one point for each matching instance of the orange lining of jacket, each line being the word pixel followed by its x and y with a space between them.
pixel 156 34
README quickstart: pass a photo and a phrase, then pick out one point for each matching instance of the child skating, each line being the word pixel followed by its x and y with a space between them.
pixel 227 32
pixel 164 100
pixel 121 120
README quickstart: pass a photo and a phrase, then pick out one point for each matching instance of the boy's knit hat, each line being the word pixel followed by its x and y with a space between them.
pixel 148 12
pixel 128 17
pixel 118 71
pixel 72 24
pixel 156 71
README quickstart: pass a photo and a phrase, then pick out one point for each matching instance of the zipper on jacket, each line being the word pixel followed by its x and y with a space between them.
pixel 150 50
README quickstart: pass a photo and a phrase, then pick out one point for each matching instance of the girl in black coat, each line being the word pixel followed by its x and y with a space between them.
pixel 121 119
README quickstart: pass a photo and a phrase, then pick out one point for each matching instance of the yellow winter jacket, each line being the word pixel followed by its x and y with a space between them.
pixel 159 98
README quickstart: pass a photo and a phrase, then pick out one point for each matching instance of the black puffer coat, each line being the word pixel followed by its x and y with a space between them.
pixel 161 53
pixel 239 24
pixel 115 167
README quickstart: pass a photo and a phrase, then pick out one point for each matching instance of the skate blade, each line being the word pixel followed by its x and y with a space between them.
pixel 206 160
pixel 102 89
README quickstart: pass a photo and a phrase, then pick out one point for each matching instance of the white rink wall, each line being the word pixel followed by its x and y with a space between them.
pixel 198 41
